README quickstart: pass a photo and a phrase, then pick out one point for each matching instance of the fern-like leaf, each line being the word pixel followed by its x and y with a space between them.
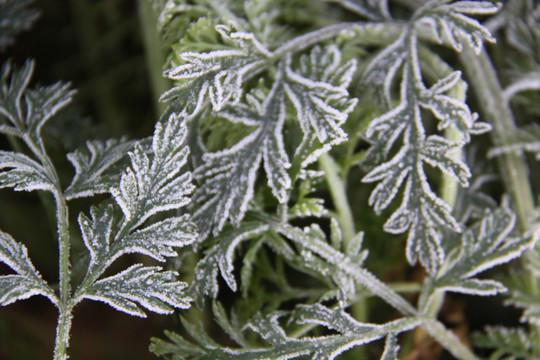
pixel 27 281
pixel 23 174
pixel 149 286
pixel 217 75
pixel 485 246
pixel 351 334
pixel 15 16
pixel 92 167
pixel 29 109
pixel 451 22
pixel 152 186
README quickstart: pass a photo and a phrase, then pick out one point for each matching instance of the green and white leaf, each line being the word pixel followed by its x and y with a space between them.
pixel 282 346
pixel 140 286
pixel 228 176
pixel 21 173
pixel 93 167
pixel 219 260
pixel 482 247
pixel 156 185
pixel 27 110
pixel 15 16
pixel 26 282
pixel 218 75
pixel 451 23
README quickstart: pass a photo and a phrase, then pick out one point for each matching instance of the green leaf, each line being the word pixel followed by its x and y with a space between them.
pixel 157 185
pixel 29 109
pixel 23 174
pixel 27 282
pixel 93 167
pixel 149 286
pixel 450 21
pixel 486 245
pixel 15 16
pixel 508 343
pixel 217 75
pixel 219 259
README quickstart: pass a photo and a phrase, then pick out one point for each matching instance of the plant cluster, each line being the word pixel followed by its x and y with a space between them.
pixel 300 142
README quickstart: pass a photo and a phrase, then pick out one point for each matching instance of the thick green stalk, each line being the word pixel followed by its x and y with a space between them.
pixel 339 196
pixel 338 192
pixel 497 112
pixel 513 167
pixel 155 56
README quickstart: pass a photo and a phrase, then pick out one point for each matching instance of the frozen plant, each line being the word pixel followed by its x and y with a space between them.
pixel 338 157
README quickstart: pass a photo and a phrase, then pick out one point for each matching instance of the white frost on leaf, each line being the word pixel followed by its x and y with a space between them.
pixel 318 91
pixel 228 176
pixel 29 109
pixel 486 245
pixel 154 185
pixel 22 173
pixel 219 74
pixel 92 167
pixel 27 281
pixel 148 286
pixel 451 22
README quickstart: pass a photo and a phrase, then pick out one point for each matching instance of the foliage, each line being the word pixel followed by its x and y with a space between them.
pixel 304 146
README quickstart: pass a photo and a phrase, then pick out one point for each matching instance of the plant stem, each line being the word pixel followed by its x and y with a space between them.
pixel 339 196
pixel 368 33
pixel 498 113
pixel 62 334
pixel 155 57
pixel 513 166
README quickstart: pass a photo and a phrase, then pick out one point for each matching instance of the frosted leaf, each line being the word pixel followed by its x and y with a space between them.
pixel 15 16
pixel 449 111
pixel 157 240
pixel 93 167
pixel 450 21
pixel 374 10
pixel 147 286
pixel 343 266
pixel 152 186
pixel 437 152
pixel 217 75
pixel 527 139
pixel 219 260
pixel 509 343
pixel 27 281
pixel 228 176
pixel 334 319
pixel 380 72
pixel 318 91
pixel 422 213
pixel 22 173
pixel 486 245
pixel 29 109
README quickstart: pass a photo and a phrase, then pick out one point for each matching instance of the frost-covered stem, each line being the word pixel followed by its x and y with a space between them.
pixel 497 111
pixel 338 189
pixel 339 196
pixel 448 340
pixel 62 334
pixel 367 33
pixel 490 98
pixel 155 57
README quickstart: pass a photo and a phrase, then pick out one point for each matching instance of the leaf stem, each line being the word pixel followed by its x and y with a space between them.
pixel 338 192
pixel 491 100
pixel 155 57
pixel 366 32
